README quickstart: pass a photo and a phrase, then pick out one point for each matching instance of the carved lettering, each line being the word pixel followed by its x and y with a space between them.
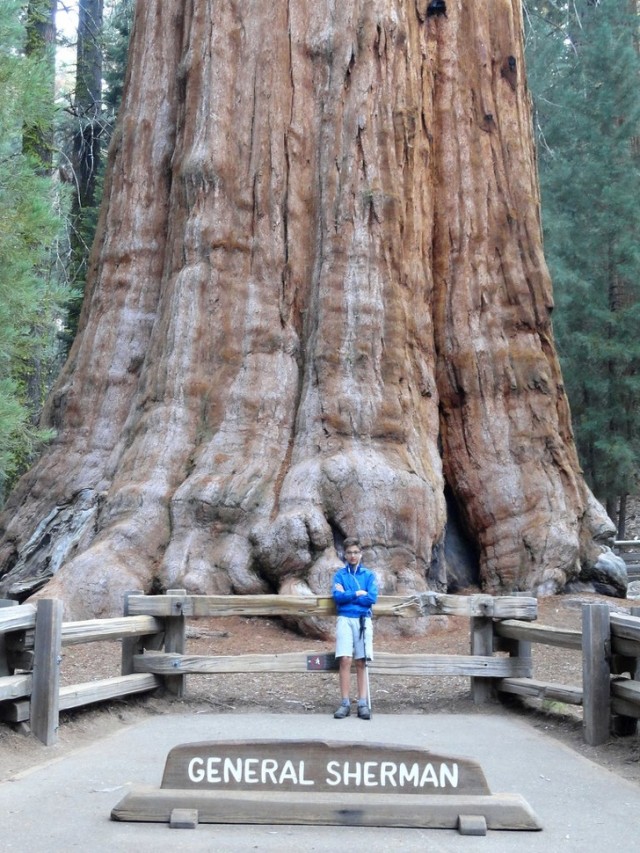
pixel 351 774
pixel 337 767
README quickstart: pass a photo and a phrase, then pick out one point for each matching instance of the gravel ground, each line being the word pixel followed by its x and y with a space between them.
pixel 318 692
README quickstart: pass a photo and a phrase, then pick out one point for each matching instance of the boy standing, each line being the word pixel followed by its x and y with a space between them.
pixel 355 591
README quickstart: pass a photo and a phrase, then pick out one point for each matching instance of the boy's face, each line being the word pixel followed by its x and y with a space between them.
pixel 353 555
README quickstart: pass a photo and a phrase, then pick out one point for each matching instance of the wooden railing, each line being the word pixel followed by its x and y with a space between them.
pixel 153 637
pixel 629 550
pixel 30 654
pixel 153 632
pixel 173 664
pixel 610 646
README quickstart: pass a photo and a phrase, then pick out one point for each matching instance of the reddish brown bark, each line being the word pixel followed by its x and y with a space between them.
pixel 318 292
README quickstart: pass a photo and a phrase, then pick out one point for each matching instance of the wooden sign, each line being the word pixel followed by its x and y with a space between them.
pixel 319 782
pixel 302 765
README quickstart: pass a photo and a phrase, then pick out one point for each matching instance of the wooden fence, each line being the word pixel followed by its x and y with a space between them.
pixel 153 637
pixel 610 646
pixel 31 641
pixel 629 550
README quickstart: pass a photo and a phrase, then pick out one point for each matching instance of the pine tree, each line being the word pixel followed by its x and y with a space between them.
pixel 28 229
pixel 117 30
pixel 86 148
pixel 38 140
pixel 103 38
pixel 583 72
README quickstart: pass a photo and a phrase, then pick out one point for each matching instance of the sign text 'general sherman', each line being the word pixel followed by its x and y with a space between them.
pixel 219 770
pixel 318 765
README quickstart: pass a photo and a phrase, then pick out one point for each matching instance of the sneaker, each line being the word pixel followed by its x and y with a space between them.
pixel 342 712
pixel 364 712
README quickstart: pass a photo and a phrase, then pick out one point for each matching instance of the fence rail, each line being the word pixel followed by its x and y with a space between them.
pixel 153 637
pixel 629 550
pixel 610 692
pixel 476 666
pixel 544 634
pixel 33 638
pixel 178 603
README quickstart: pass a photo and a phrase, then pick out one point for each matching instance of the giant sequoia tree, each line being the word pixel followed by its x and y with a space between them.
pixel 317 299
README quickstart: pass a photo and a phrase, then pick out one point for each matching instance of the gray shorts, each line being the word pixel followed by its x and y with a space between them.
pixel 348 641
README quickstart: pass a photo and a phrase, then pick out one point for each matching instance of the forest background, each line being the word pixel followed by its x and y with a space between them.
pixel 62 67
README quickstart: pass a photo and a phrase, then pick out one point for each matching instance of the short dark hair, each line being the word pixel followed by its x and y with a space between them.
pixel 351 542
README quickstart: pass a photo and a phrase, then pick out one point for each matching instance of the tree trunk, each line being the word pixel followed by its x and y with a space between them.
pixel 40 44
pixel 622 517
pixel 317 295
pixel 87 147
pixel 88 103
pixel 38 143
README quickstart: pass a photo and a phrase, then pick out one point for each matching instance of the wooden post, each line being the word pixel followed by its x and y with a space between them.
pixel 481 644
pixel 622 725
pixel 5 669
pixel 596 675
pixel 130 645
pixel 635 611
pixel 516 648
pixel 136 645
pixel 45 696
pixel 174 641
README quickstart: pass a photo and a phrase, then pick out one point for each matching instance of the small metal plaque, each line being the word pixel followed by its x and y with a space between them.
pixel 321 662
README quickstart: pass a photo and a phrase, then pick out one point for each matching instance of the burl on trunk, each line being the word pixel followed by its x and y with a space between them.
pixel 317 299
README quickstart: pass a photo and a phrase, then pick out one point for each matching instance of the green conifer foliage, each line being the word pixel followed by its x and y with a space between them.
pixel 584 72
pixel 117 30
pixel 28 230
pixel 103 40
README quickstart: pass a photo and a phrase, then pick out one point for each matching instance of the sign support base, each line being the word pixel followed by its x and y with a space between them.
pixel 469 815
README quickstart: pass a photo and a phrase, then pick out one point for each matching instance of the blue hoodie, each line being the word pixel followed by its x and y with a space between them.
pixel 353 579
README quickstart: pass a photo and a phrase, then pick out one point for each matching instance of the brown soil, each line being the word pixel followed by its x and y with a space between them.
pixel 317 692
